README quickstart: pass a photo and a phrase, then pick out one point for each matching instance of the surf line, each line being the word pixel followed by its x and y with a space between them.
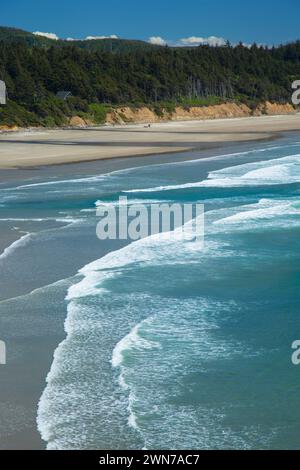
pixel 2 353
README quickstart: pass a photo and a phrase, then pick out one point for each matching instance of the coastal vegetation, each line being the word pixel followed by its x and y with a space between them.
pixel 103 74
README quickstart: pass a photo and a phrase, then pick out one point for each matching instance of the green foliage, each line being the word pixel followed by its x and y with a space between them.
pixel 14 114
pixel 101 75
pixel 51 107
pixel 98 112
pixel 169 106
pixel 158 110
pixel 18 36
pixel 209 101
pixel 49 121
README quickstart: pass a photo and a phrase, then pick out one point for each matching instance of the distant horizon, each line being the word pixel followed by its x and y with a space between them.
pixel 266 22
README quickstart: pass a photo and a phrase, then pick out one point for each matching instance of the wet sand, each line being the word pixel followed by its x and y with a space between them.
pixel 51 147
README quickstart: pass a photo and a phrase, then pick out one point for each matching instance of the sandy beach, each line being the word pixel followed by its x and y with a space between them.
pixel 50 147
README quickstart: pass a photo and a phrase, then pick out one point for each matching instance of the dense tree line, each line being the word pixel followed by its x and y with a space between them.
pixel 160 76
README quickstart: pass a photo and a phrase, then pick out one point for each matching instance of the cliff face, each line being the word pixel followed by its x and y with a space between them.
pixel 134 115
pixel 144 115
pixel 271 109
pixel 226 110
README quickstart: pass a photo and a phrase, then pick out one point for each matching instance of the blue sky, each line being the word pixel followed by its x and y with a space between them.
pixel 263 21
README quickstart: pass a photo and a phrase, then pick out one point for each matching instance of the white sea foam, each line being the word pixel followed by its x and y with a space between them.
pixel 128 202
pixel 21 242
pixel 152 249
pixel 283 170
pixel 92 329
pixel 69 221
pixel 89 179
pixel 19 219
pixel 264 210
pixel 133 340
pixel 25 239
pixel 153 345
pixel 40 219
pixel 88 210
pixel 213 158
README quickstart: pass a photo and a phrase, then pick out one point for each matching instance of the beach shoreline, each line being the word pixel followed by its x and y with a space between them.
pixel 32 149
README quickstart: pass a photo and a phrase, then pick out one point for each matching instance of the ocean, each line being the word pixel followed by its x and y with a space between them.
pixel 165 345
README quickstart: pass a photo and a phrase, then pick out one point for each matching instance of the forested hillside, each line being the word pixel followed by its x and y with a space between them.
pixel 18 36
pixel 34 69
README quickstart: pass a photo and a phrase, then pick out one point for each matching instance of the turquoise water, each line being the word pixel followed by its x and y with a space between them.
pixel 167 345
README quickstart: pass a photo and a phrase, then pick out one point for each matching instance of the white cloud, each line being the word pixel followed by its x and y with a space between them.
pixel 197 41
pixel 157 41
pixel 90 38
pixel 47 35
